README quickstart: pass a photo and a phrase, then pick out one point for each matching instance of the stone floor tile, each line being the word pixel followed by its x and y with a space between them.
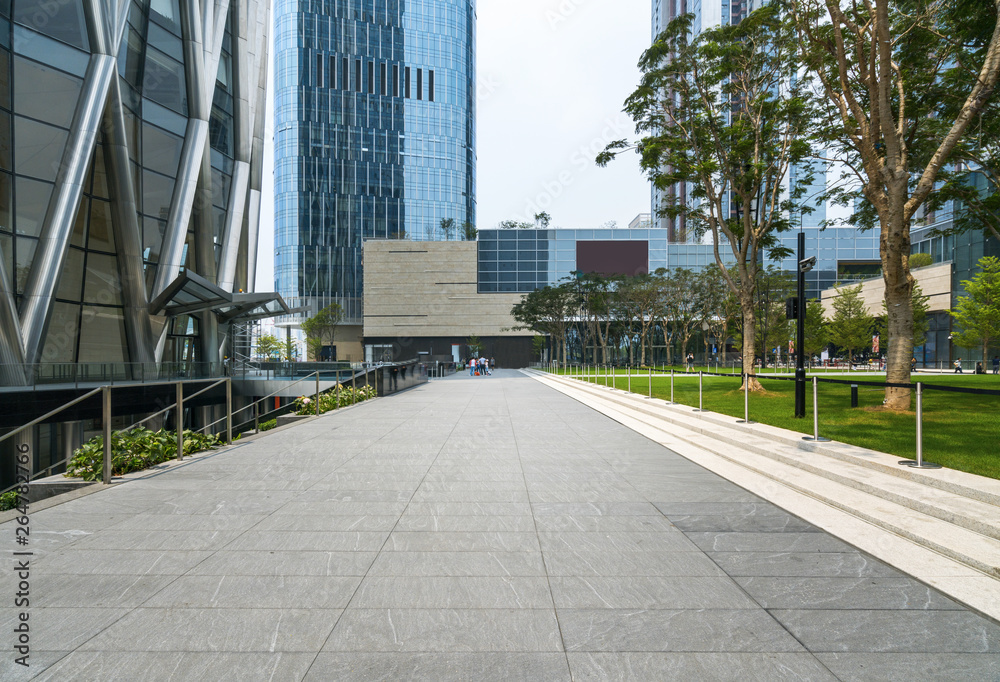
pixel 704 667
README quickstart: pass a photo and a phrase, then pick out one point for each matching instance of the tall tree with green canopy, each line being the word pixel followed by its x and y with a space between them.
pixel 977 313
pixel 901 86
pixel 816 336
pixel 549 310
pixel 724 112
pixel 322 327
pixel 851 325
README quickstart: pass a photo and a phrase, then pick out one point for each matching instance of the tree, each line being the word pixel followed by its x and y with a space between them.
pixel 537 346
pixel 447 227
pixel 542 219
pixel 596 304
pixel 549 310
pixel 977 313
pixel 469 231
pixel 816 335
pixel 638 300
pixel 289 351
pixel 901 87
pixel 921 320
pixel 851 325
pixel 514 225
pixel 269 347
pixel 475 345
pixel 724 113
pixel 680 314
pixel 714 312
pixel 322 327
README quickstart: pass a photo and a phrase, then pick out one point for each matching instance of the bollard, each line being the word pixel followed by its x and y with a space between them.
pixel 672 387
pixel 229 411
pixel 919 463
pixel 650 382
pixel 854 395
pixel 106 409
pixel 746 401
pixel 816 438
pixel 180 421
pixel 701 407
pixel 628 372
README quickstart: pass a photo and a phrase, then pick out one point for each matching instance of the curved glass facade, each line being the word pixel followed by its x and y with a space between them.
pixel 374 136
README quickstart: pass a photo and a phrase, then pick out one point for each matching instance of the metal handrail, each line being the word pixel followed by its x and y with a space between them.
pixel 174 404
pixel 107 418
pixel 51 414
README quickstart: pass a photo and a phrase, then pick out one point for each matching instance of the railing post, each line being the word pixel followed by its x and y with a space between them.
pixel 180 420
pixel 229 411
pixel 920 463
pixel 816 438
pixel 317 393
pixel 256 422
pixel 106 412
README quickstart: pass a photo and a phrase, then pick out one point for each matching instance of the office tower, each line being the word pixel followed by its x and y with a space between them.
pixel 374 139
pixel 130 137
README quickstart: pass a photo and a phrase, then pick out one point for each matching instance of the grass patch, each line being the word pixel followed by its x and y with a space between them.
pixel 961 431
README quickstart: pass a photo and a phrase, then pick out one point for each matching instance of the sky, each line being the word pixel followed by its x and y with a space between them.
pixel 552 79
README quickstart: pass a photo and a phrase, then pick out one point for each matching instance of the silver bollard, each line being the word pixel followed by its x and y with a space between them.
pixel 650 382
pixel 106 426
pixel 919 463
pixel 816 438
pixel 701 407
pixel 746 401
pixel 672 402
pixel 628 372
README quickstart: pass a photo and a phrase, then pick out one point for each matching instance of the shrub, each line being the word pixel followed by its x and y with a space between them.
pixel 134 450
pixel 8 501
pixel 268 425
pixel 328 400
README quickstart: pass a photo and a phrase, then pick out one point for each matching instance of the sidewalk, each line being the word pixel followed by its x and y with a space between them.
pixel 484 528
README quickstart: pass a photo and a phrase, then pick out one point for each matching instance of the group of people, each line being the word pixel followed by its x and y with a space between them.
pixel 979 366
pixel 481 366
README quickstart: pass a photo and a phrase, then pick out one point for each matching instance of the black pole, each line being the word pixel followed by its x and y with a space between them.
pixel 800 323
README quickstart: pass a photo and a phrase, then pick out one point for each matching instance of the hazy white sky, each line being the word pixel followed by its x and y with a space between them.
pixel 553 75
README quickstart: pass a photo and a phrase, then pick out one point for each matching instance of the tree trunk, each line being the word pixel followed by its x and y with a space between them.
pixel 749 344
pixel 895 251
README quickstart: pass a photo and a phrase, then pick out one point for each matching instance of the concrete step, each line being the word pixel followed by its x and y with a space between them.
pixel 959 526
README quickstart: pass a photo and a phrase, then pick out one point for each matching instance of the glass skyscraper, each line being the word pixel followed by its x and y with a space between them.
pixel 374 136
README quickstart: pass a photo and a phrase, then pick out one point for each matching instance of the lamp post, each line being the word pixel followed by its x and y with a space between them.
pixel 805 265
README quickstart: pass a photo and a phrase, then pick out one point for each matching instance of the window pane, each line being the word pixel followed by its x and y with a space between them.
pixel 44 93
pixel 157 191
pixel 130 57
pixel 161 150
pixel 166 42
pixel 163 81
pixel 49 51
pixel 38 148
pixel 6 224
pixel 4 79
pixel 102 335
pixel 63 20
pixel 101 232
pixel 166 13
pixel 25 253
pixel 60 342
pixel 71 277
pixel 32 202
pixel 79 236
pixel 100 188
pixel 102 284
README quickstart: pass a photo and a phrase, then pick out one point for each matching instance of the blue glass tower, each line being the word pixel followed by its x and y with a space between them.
pixel 374 136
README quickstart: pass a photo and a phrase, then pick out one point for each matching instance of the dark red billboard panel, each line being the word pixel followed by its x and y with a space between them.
pixel 612 257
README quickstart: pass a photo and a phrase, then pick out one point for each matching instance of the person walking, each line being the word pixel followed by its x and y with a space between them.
pixel 913 365
pixel 996 364
pixel 958 366
pixel 690 362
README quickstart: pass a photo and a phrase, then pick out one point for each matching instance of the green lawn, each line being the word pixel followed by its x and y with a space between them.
pixel 961 431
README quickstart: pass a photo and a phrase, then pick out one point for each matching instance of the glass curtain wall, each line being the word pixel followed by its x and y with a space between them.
pixel 374 136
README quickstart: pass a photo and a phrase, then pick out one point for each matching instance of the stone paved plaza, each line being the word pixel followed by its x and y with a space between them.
pixel 470 529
